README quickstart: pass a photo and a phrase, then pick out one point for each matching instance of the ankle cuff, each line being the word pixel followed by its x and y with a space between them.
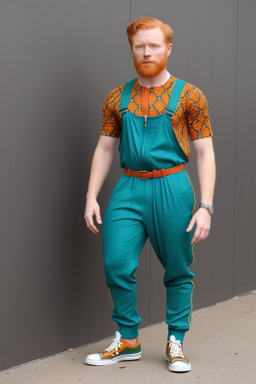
pixel 179 335
pixel 128 332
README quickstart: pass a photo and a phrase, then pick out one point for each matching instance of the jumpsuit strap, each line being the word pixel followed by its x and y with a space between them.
pixel 124 101
pixel 175 96
pixel 125 98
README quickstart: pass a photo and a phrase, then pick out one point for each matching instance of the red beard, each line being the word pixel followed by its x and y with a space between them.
pixel 150 69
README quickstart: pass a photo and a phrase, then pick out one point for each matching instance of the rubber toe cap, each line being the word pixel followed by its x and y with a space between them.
pixel 94 357
pixel 180 366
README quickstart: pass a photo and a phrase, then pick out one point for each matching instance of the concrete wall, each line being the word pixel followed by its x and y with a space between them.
pixel 58 61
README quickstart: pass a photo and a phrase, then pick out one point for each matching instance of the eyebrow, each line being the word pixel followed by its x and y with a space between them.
pixel 153 42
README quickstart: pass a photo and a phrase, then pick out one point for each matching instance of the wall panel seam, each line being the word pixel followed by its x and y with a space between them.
pixel 235 156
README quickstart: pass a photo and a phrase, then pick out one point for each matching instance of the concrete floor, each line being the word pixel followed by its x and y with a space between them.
pixel 221 347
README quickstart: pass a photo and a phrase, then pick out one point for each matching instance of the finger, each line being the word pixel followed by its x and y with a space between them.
pixel 196 235
pixel 191 225
pixel 98 218
pixel 94 229
pixel 91 225
pixel 202 235
pixel 205 234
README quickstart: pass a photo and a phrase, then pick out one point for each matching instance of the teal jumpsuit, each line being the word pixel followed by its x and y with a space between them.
pixel 156 208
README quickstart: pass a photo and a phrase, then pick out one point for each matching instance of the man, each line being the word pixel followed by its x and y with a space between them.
pixel 154 116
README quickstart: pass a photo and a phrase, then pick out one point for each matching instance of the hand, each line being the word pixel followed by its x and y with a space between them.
pixel 92 208
pixel 202 219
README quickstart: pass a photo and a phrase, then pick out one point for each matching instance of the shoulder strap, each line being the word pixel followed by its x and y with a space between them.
pixel 175 96
pixel 125 98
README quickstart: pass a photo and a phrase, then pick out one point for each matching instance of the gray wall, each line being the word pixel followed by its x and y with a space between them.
pixel 58 61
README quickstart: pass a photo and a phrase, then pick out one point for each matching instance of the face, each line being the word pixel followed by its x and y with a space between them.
pixel 150 52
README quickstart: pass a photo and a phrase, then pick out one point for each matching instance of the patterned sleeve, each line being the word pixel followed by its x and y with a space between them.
pixel 111 125
pixel 197 114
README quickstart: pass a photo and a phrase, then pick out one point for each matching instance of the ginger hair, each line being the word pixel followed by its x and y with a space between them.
pixel 149 23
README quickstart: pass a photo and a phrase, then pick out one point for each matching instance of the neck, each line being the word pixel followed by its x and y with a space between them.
pixel 155 81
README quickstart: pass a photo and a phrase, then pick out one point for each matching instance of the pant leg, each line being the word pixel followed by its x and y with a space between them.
pixel 123 237
pixel 172 206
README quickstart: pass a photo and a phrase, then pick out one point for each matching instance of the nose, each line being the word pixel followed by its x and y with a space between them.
pixel 147 51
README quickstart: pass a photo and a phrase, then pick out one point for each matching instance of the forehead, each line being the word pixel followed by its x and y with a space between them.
pixel 148 35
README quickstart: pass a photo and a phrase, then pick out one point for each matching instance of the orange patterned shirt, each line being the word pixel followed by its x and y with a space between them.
pixel 190 120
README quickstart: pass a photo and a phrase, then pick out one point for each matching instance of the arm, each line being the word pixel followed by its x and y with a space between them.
pixel 101 164
pixel 206 174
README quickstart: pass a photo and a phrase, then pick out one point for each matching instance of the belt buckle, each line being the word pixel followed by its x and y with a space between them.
pixel 141 172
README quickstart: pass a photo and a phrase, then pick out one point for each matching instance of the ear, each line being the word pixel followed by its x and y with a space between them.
pixel 169 49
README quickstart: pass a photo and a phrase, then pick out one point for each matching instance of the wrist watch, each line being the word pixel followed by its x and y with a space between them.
pixel 207 206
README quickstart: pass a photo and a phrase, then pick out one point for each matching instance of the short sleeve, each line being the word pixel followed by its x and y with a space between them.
pixel 197 115
pixel 111 125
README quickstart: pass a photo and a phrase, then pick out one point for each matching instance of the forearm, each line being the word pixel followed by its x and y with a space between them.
pixel 101 164
pixel 206 174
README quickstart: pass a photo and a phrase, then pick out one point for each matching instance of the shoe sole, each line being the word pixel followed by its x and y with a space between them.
pixel 171 368
pixel 135 356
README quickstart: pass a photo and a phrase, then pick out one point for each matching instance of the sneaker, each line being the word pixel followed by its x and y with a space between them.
pixel 119 350
pixel 177 361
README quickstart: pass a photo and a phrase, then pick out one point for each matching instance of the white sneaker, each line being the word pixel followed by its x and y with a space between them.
pixel 175 356
pixel 119 350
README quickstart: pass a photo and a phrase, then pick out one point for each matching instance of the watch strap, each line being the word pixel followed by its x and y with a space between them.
pixel 207 206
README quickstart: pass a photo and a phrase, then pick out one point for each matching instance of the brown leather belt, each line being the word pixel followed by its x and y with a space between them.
pixel 155 172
